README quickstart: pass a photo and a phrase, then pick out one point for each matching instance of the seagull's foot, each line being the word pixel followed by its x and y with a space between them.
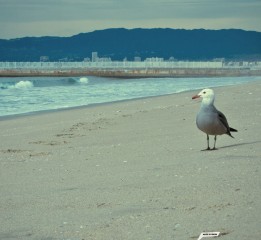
pixel 210 149
pixel 207 149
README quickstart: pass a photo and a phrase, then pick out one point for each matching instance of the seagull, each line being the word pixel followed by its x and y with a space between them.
pixel 209 120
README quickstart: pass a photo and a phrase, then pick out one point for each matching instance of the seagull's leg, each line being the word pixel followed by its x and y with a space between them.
pixel 208 148
pixel 215 139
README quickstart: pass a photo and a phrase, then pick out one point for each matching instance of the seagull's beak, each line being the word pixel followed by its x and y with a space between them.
pixel 196 96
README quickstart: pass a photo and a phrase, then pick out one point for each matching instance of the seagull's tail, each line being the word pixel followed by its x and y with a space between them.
pixel 232 130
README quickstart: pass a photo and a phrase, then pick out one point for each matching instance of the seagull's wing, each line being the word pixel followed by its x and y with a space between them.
pixel 223 120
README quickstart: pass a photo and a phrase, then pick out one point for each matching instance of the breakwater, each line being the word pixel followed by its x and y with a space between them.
pixel 131 69
pixel 134 73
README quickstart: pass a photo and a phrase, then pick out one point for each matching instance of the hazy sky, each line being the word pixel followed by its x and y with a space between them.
pixel 20 18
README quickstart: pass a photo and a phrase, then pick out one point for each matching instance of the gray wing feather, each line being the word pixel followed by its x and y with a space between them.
pixel 222 118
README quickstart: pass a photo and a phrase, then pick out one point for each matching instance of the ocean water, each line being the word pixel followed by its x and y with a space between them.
pixel 25 95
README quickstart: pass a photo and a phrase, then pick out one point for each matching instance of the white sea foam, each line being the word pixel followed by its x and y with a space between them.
pixel 24 84
pixel 84 80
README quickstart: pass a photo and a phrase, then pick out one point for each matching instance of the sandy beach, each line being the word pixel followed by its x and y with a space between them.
pixel 133 170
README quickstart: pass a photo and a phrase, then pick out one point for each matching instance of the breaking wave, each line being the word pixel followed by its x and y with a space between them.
pixel 84 80
pixel 20 84
pixel 43 82
pixel 24 84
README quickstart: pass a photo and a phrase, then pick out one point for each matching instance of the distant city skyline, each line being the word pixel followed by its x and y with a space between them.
pixel 66 17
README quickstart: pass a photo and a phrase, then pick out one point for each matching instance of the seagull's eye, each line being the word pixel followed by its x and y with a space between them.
pixel 204 92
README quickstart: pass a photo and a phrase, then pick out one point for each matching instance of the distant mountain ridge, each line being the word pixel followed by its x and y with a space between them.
pixel 120 43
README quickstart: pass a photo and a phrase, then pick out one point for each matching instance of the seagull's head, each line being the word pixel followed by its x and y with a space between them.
pixel 206 94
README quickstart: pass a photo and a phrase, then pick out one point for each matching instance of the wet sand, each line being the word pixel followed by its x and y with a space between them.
pixel 132 170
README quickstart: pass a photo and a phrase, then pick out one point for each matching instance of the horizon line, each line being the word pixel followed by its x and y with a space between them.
pixel 125 28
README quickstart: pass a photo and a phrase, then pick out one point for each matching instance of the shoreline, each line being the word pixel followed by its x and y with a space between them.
pixel 84 107
pixel 133 170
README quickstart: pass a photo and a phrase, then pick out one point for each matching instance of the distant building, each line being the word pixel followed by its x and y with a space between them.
pixel 64 59
pixel 172 59
pixel 86 59
pixel 44 59
pixel 95 57
pixel 154 59
pixel 219 60
pixel 137 59
pixel 104 59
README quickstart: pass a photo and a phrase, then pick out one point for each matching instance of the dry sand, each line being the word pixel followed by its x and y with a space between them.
pixel 133 170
